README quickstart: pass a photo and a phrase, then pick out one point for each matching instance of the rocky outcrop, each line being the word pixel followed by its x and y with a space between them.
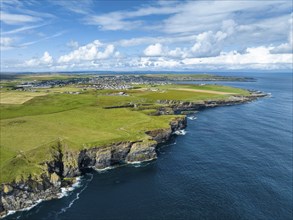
pixel 70 163
pixel 163 135
pixel 21 195
pixel 142 151
pixel 66 164
pixel 103 157
pixel 182 106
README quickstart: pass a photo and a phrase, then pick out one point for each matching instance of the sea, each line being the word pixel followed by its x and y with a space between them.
pixel 233 162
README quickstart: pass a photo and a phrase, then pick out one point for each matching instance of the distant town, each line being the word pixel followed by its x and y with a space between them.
pixel 115 82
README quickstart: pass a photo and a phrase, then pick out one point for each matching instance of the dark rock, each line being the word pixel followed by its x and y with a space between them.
pixel 103 158
pixel 142 151
pixel 119 153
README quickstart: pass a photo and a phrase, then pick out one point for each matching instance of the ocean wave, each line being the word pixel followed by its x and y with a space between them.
pixel 63 210
pixel 10 212
pixel 66 190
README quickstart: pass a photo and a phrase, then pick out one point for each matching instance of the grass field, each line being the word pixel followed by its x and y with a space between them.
pixel 32 122
pixel 16 97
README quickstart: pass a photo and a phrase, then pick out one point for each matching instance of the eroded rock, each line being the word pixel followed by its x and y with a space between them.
pixel 142 151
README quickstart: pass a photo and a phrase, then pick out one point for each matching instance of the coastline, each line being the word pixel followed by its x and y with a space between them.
pixel 62 174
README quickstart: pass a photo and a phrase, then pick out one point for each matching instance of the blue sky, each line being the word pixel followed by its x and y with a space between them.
pixel 70 35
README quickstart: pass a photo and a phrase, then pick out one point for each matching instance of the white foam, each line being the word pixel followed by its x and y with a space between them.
pixel 10 212
pixel 29 208
pixel 103 169
pixel 192 118
pixel 76 198
pixel 180 132
pixel 71 203
pixel 139 163
pixel 65 190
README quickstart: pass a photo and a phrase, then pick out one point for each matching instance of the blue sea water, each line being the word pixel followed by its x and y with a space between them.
pixel 234 162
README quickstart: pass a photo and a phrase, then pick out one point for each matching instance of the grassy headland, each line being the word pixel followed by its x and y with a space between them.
pixel 82 117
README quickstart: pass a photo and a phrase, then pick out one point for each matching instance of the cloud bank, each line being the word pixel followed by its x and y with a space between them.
pixel 162 35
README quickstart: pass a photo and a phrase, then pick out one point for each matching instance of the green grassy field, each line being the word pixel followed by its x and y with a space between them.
pixel 28 130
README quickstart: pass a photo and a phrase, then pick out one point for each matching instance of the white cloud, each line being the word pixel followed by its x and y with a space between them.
pixel 189 16
pixel 255 58
pixel 17 18
pixel 182 17
pixel 206 44
pixel 128 20
pixel 158 50
pixel 166 39
pixel 209 43
pixel 252 58
pixel 154 50
pixel 202 15
pixel 112 22
pixel 40 40
pixel 187 34
pixel 233 24
pixel 154 63
pixel 92 51
pixel 45 60
pixel 288 46
pixel 284 48
pixel 6 43
pixel 22 29
pixel 256 55
pixel 76 6
pixel 85 57
pixel 165 63
pixel 178 52
pixel 136 41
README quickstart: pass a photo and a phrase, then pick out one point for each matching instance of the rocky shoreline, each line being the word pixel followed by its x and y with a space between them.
pixel 67 165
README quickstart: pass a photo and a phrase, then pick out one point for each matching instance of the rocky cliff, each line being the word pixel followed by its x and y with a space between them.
pixel 67 164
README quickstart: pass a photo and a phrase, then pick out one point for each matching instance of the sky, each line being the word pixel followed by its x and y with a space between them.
pixel 92 35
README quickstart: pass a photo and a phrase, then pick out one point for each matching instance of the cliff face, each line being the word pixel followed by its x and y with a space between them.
pixel 66 164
